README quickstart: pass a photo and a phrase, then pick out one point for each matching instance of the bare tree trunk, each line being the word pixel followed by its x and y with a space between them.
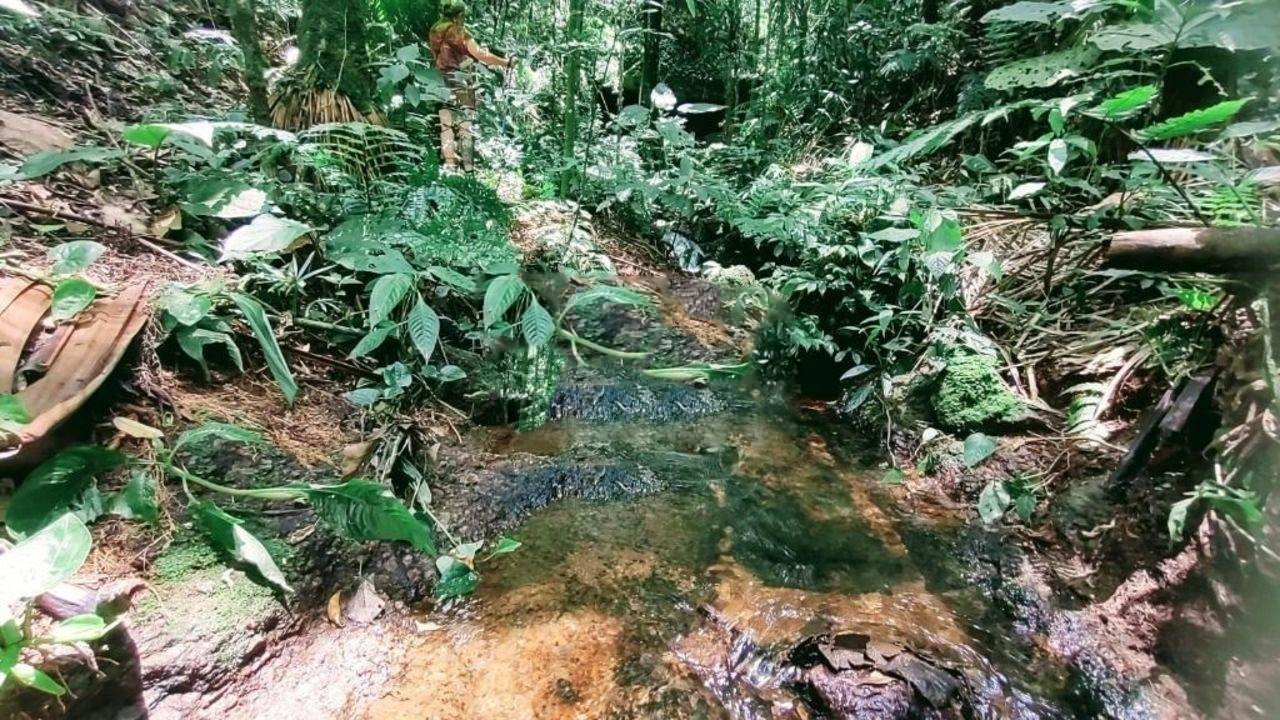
pixel 650 62
pixel 731 76
pixel 930 11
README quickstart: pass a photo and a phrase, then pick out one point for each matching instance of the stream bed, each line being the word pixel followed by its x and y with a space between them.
pixel 753 530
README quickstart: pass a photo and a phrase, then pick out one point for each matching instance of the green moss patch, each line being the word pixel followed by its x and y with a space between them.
pixel 973 396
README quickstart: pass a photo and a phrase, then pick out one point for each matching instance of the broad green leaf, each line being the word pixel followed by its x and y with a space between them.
pixel 1127 103
pixel 505 546
pixel 55 486
pixel 246 203
pixel 1043 71
pixel 194 340
pixel 1025 506
pixel 72 257
pixel 614 294
pixel 1026 190
pixel 387 294
pixel 39 563
pixel 633 116
pixel 396 377
pixel 1196 298
pixel 78 628
pixel 892 476
pixel 46 161
pixel 1134 37
pixel 942 234
pixel 362 510
pixel 855 371
pixel 1170 155
pixel 1041 13
pixel 18 7
pixel 978 447
pixel 1178 518
pixel 698 108
pixel 466 552
pixel 148 135
pixel 1263 128
pixel 70 298
pixel 1058 153
pixel 137 500
pixel 424 328
pixel 673 134
pixel 1243 507
pixel 186 307
pixel 993 502
pixel 363 397
pixel 34 678
pixel 265 234
pixel 452 277
pixel 12 412
pixel 452 373
pixel 988 262
pixel 256 317
pixel 228 533
pixel 372 341
pixel 457 579
pixel 209 431
pixel 1193 122
pixel 536 324
pixel 503 292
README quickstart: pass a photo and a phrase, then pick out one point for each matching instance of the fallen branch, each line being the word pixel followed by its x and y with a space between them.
pixel 150 242
pixel 1217 249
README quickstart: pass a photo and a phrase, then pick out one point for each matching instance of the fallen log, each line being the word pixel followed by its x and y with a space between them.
pixel 1216 249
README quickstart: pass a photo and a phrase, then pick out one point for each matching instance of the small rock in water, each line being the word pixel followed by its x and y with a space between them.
pixel 565 691
pixel 859 677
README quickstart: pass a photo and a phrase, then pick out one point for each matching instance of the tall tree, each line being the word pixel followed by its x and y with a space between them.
pixel 572 88
pixel 332 80
pixel 651 59
pixel 734 8
pixel 244 28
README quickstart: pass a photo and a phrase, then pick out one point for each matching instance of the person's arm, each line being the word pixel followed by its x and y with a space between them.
pixel 484 56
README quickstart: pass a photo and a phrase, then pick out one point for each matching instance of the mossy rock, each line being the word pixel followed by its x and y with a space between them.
pixel 972 396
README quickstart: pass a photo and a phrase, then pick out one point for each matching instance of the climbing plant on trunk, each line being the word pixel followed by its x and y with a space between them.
pixel 572 86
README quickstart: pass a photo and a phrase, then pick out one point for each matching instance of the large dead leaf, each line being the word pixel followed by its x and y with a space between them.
pixel 27 135
pixel 76 362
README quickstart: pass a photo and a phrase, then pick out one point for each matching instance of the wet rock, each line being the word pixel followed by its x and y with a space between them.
pixel 841 675
pixel 635 400
pixel 858 677
pixel 862 694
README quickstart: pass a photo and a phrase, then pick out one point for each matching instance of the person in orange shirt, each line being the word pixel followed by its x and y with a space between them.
pixel 455 53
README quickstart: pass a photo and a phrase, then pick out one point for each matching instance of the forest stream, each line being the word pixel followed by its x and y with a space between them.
pixel 758 528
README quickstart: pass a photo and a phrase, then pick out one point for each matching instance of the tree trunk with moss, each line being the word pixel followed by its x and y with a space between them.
pixel 244 28
pixel 572 88
pixel 332 81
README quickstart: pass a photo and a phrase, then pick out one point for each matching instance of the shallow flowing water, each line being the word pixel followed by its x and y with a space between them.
pixel 679 604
